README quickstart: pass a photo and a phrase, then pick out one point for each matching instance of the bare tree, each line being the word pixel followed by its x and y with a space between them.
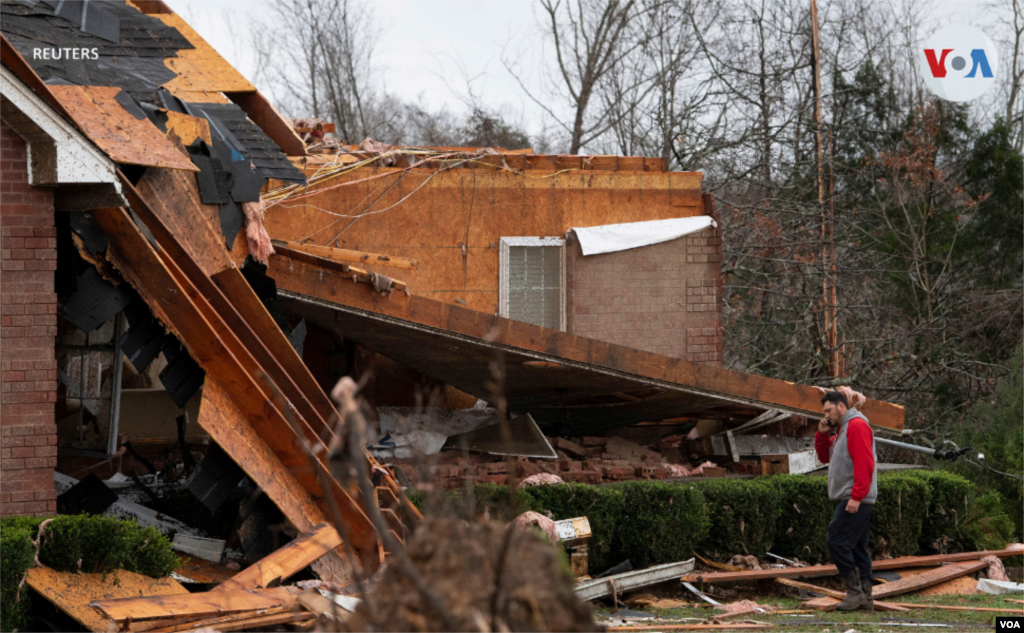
pixel 317 58
pixel 590 38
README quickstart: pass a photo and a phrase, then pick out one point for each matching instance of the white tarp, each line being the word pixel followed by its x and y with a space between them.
pixel 611 238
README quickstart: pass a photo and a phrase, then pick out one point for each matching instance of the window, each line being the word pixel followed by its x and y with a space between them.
pixel 533 280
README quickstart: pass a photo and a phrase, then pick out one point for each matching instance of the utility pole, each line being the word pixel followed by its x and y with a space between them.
pixel 827 249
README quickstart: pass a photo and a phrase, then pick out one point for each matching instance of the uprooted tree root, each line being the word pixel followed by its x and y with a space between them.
pixel 488 578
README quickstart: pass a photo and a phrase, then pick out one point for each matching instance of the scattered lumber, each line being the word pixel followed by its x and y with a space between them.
pixel 830 570
pixel 944 607
pixel 211 602
pixel 249 624
pixel 931 577
pixel 175 625
pixel 832 595
pixel 694 627
pixel 286 561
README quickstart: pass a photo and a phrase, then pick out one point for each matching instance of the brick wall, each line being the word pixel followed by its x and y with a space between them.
pixel 28 326
pixel 665 298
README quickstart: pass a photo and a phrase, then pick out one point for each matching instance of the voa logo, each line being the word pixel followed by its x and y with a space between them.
pixel 959 63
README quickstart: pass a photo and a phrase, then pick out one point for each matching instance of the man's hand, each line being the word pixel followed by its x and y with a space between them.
pixel 824 427
pixel 852 506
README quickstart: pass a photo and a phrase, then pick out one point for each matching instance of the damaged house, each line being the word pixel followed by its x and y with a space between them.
pixel 186 275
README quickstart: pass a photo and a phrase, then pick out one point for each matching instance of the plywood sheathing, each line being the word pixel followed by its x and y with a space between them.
pixel 202 68
pixel 453 219
pixel 72 593
pixel 187 128
pixel 174 197
pixel 448 342
pixel 120 135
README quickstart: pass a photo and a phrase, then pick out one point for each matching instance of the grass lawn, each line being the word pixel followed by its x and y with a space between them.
pixel 836 622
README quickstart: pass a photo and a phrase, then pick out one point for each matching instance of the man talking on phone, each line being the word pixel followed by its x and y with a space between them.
pixel 845 442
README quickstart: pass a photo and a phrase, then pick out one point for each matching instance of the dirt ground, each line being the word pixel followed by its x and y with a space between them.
pixel 462 563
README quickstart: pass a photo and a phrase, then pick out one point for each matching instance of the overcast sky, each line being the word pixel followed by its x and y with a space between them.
pixel 427 46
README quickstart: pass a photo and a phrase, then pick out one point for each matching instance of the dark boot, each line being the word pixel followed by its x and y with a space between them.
pixel 854 594
pixel 865 589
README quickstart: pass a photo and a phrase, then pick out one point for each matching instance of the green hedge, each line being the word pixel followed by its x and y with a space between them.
pixel 650 522
pixel 602 505
pixel 898 515
pixel 88 544
pixel 16 554
pixel 804 514
pixel 945 527
pixel 743 514
pixel 660 523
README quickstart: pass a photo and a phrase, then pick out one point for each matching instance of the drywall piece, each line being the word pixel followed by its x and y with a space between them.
pixel 620 583
pixel 73 592
pixel 211 549
pixel 1000 587
pixel 611 238
pixel 524 439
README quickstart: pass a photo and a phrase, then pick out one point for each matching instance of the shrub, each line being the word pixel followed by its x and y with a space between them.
pixel 988 526
pixel 804 514
pixel 945 527
pixel 15 558
pixel 661 523
pixel 603 507
pixel 743 514
pixel 898 514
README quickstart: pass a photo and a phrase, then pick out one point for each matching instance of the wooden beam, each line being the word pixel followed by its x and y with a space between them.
pixel 286 561
pixel 299 618
pixel 929 578
pixel 191 623
pixel 815 571
pixel 839 595
pixel 243 313
pixel 263 114
pixel 346 256
pixel 346 271
pixel 174 301
pixel 301 277
pixel 181 605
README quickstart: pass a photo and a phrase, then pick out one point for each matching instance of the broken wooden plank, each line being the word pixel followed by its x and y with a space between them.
pixel 72 592
pixel 286 561
pixel 814 571
pixel 943 607
pixel 929 578
pixel 121 136
pixel 183 605
pixel 346 256
pixel 187 128
pixel 347 271
pixel 174 625
pixel 262 113
pixel 837 595
pixel 299 618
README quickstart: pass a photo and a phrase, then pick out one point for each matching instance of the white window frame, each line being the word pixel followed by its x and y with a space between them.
pixel 504 245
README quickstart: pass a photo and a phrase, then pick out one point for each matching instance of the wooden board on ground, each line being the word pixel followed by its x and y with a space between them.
pixel 210 602
pixel 203 571
pixel 963 586
pixel 830 570
pixel 72 593
pixel 832 595
pixel 909 584
pixel 286 561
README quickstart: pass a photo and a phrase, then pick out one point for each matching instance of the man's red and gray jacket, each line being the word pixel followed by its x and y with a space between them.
pixel 850 455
